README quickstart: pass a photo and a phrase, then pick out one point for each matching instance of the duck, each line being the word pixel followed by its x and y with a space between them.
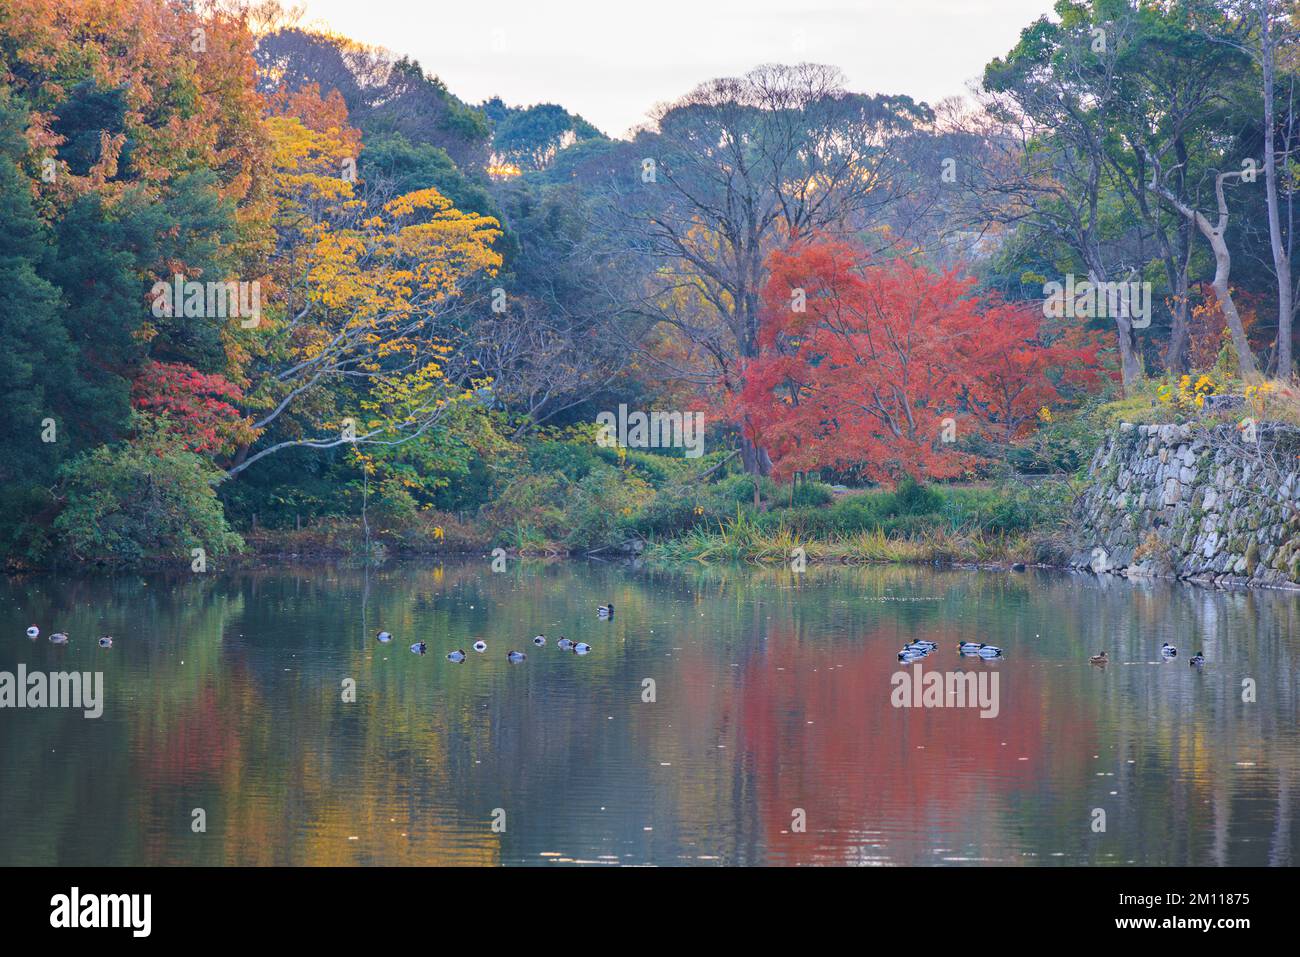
pixel 581 648
pixel 457 656
pixel 564 644
pixel 989 651
pixel 922 644
pixel 539 640
pixel 906 655
pixel 1168 650
pixel 33 632
pixel 968 647
pixel 606 611
pixel 59 638
pixel 383 637
pixel 515 656
pixel 480 646
pixel 106 641
pixel 1100 659
pixel 1197 659
pixel 420 647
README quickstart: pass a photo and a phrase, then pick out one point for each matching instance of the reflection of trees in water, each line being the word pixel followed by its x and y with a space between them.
pixel 743 657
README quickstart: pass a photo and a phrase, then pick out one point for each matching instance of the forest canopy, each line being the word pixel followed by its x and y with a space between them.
pixel 426 302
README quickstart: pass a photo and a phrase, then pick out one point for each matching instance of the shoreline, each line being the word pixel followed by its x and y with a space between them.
pixel 262 560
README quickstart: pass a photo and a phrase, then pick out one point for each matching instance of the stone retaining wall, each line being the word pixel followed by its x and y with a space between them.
pixel 1203 504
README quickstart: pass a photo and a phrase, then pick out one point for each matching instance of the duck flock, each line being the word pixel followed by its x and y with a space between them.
pixel 60 638
pixel 604 612
pixel 912 651
pixel 916 650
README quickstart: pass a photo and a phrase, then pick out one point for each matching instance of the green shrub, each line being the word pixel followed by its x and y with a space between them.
pixel 913 498
pixel 601 508
pixel 147 498
pixel 395 506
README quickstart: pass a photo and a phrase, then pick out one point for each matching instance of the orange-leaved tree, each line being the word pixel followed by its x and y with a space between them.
pixel 885 367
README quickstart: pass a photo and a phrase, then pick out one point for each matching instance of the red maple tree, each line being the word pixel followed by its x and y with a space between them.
pixel 198 405
pixel 882 366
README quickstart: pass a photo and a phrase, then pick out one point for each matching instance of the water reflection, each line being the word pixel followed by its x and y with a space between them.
pixel 772 699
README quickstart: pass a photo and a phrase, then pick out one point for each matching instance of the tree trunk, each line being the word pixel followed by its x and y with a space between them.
pixel 1281 261
pixel 755 458
pixel 1130 364
pixel 1222 269
pixel 1214 234
pixel 1176 356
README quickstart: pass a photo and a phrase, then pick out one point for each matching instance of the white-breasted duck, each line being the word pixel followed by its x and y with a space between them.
pixel 456 656
pixel 33 632
pixel 564 644
pixel 383 637
pixel 515 657
pixel 106 641
pixel 59 638
pixel 539 640
pixel 420 647
pixel 581 648
pixel 1168 650
pixel 606 611
pixel 989 651
pixel 1197 659
pixel 480 646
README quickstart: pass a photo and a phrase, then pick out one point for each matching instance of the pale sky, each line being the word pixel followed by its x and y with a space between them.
pixel 613 60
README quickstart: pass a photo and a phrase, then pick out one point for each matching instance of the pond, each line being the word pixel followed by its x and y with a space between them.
pixel 725 715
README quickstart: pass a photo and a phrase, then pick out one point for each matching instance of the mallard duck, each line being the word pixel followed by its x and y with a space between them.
pixel 564 643
pixel 539 640
pixel 989 651
pixel 480 646
pixel 106 641
pixel 515 656
pixel 1197 659
pixel 606 611
pixel 59 638
pixel 581 648
pixel 905 655
pixel 1168 650
pixel 1100 659
pixel 926 646
pixel 383 637
pixel 456 656
pixel 419 647
pixel 968 647
pixel 33 632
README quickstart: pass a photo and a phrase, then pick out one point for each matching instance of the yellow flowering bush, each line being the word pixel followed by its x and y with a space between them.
pixel 1188 394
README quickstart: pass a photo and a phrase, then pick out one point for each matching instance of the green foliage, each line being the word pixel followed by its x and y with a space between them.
pixel 404 167
pixel 146 498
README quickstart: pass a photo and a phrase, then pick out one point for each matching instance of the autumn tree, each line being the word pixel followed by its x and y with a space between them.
pixel 728 173
pixel 884 366
pixel 352 350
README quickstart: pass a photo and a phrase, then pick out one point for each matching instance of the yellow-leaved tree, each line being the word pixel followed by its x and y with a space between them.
pixel 354 343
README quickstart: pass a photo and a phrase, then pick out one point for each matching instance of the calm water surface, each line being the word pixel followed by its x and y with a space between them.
pixel 772 693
